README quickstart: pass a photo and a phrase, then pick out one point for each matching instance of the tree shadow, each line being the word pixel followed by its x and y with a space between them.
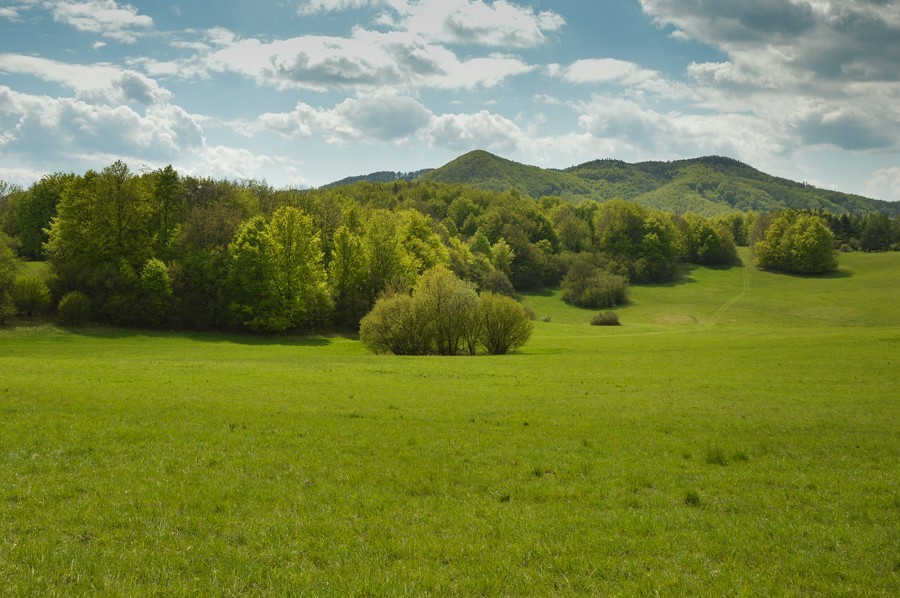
pixel 103 332
pixel 839 273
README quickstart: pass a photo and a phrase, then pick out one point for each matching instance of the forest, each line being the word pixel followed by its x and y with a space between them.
pixel 158 249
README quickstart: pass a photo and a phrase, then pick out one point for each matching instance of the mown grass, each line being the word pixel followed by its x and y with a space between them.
pixel 737 435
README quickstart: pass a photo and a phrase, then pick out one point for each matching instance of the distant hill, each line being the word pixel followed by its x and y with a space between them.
pixel 710 185
pixel 384 176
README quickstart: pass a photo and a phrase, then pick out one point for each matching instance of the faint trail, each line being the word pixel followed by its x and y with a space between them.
pixel 745 288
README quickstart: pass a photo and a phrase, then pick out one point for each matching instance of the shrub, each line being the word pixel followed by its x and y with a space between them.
pixel 393 326
pixel 444 316
pixel 605 318
pixel 504 324
pixel 587 286
pixel 30 294
pixel 74 308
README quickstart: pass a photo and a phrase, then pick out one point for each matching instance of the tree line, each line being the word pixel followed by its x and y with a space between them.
pixel 161 249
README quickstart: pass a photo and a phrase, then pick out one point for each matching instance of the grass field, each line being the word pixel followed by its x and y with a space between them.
pixel 739 434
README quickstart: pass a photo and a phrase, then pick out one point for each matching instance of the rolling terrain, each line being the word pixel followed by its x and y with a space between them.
pixel 710 185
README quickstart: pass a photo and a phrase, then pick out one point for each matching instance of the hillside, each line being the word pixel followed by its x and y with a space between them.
pixel 709 185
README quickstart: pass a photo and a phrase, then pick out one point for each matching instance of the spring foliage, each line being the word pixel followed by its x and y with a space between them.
pixel 796 242
pixel 445 316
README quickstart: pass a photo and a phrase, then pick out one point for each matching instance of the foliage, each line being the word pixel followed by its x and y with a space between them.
pixel 74 308
pixel 605 318
pixel 504 324
pixel 30 294
pixel 796 242
pixel 496 281
pixel 585 285
pixel 704 243
pixel 444 316
pixel 644 239
pixel 9 266
pixel 155 293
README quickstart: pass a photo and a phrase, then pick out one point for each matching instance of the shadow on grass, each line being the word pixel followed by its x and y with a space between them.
pixel 104 332
pixel 839 273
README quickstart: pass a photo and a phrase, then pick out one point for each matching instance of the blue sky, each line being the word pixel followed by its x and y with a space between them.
pixel 304 92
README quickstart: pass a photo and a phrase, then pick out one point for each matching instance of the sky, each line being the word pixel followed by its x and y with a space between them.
pixel 304 92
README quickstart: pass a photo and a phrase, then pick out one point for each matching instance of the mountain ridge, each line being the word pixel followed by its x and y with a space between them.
pixel 708 185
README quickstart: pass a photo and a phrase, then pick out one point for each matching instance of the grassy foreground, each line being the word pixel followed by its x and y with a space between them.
pixel 738 435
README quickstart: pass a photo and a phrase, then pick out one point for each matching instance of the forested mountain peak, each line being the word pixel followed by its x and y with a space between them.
pixel 707 185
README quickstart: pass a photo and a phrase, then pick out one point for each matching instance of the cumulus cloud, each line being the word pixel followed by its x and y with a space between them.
pixel 365 60
pixel 498 23
pixel 885 184
pixel 106 17
pixel 823 71
pixel 638 132
pixel 482 130
pixel 629 75
pixel 41 125
pixel 95 83
pixel 369 117
pixel 238 163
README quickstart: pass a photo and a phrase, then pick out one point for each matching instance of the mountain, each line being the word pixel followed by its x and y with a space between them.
pixel 710 185
pixel 383 176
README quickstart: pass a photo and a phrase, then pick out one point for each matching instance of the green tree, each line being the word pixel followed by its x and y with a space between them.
pixel 300 278
pixel 347 278
pixel 796 242
pixel 704 243
pixel 155 294
pixel 255 302
pixel 31 212
pixel 9 266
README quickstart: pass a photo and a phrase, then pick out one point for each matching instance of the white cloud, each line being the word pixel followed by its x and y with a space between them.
pixel 94 83
pixel 10 13
pixel 373 118
pixel 885 184
pixel 498 23
pixel 44 126
pixel 629 75
pixel 366 60
pixel 482 130
pixel 239 163
pixel 106 17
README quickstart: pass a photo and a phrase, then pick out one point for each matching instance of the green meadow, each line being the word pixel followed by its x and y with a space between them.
pixel 739 434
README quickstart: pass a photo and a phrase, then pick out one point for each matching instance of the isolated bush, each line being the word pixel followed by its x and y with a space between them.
pixel 30 294
pixel 444 316
pixel 585 285
pixel 504 324
pixel 74 308
pixel 605 318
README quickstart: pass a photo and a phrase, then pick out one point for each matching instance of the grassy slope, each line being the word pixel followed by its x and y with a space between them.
pixel 144 463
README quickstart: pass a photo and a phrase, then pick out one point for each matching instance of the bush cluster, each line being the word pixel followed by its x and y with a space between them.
pixel 796 242
pixel 445 316
pixel 585 285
